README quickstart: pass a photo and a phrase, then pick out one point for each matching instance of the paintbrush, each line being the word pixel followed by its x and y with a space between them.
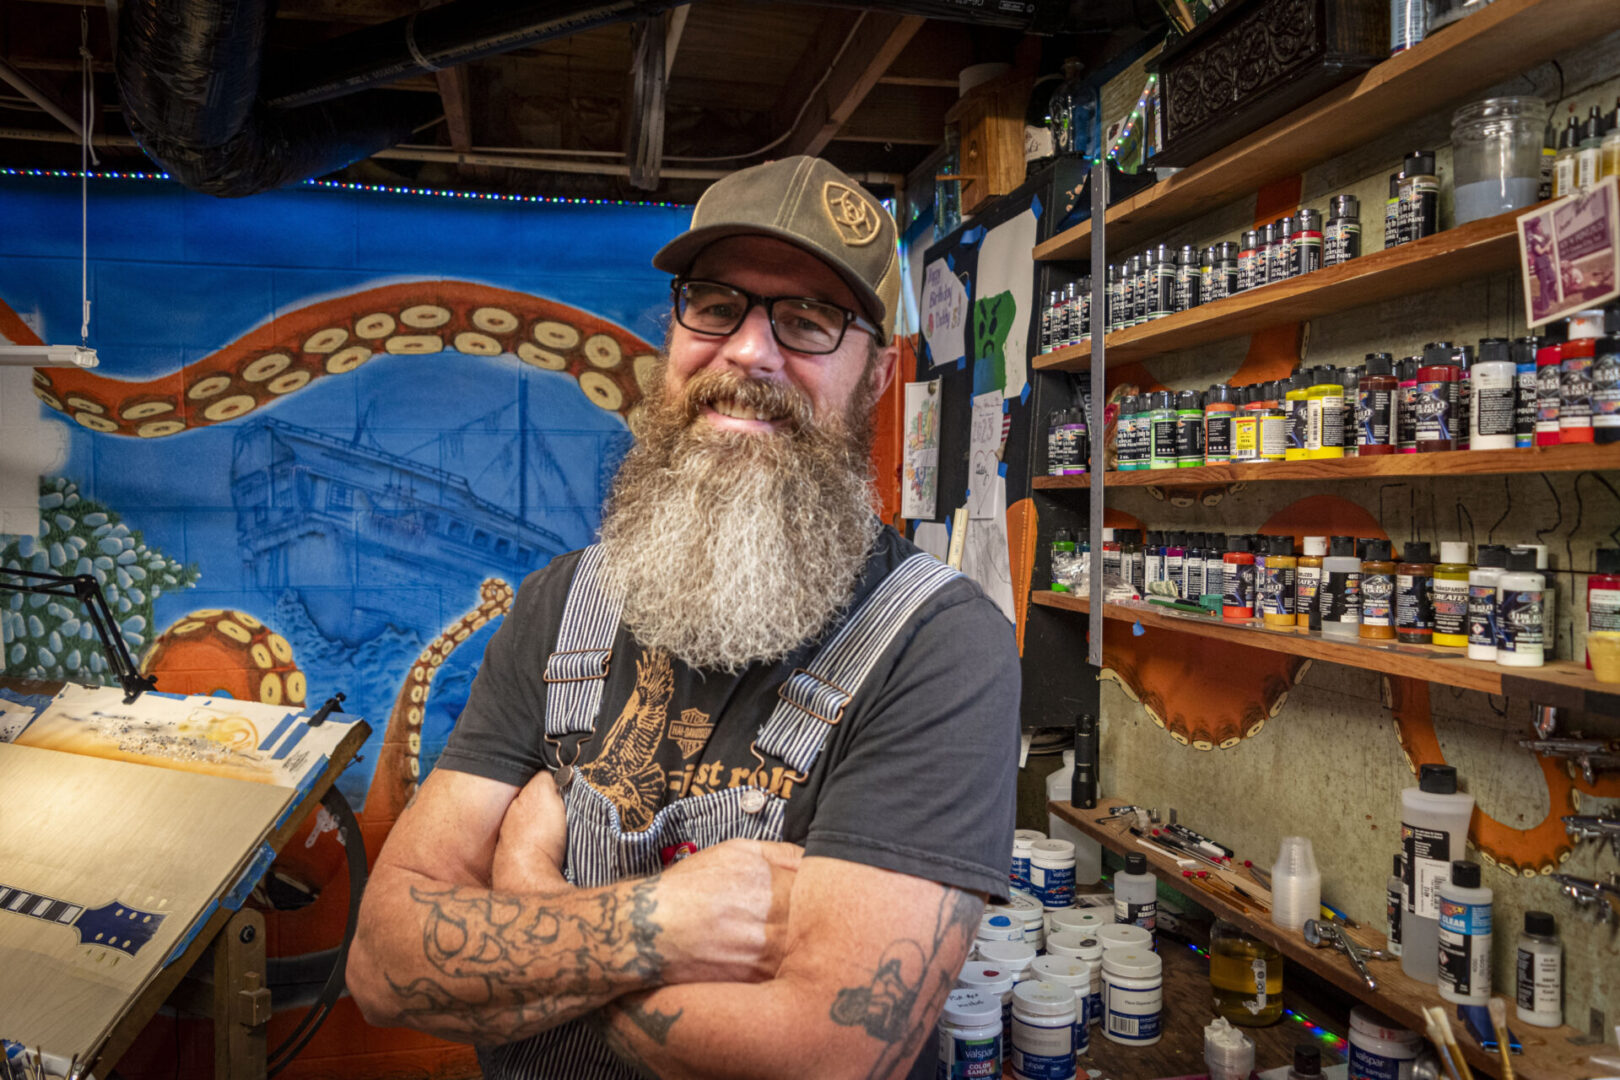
pixel 1498 1007
pixel 1451 1043
pixel 1438 1037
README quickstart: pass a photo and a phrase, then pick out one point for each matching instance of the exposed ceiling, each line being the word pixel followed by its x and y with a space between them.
pixel 746 80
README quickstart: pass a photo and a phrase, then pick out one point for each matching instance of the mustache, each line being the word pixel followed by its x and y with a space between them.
pixel 781 401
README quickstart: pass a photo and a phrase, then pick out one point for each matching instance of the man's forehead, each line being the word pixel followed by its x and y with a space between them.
pixel 790 270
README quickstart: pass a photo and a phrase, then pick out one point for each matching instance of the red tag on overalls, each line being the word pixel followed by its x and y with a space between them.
pixel 677 852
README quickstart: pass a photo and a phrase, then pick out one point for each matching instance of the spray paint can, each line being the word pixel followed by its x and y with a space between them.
pixel 1305 254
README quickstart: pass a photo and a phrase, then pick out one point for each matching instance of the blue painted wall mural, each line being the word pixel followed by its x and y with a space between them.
pixel 330 435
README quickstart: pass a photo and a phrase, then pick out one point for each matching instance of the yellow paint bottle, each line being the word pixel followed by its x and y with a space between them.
pixel 1325 406
pixel 1450 585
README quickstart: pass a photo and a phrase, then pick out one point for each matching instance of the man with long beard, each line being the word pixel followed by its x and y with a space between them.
pixel 733 784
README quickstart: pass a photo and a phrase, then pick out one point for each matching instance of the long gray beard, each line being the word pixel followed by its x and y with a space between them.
pixel 733 548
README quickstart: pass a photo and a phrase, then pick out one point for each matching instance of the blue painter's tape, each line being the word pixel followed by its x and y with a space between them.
pixel 189 936
pixel 968 494
pixel 973 235
pixel 1137 629
pixel 1023 395
pixel 279 730
pixel 1006 406
pixel 238 895
pixel 1001 470
pixel 950 260
pixel 961 362
pixel 1035 207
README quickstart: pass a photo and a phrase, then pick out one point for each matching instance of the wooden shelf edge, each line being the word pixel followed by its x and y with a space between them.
pixel 1547 1054
pixel 1473 250
pixel 1579 457
pixel 1561 682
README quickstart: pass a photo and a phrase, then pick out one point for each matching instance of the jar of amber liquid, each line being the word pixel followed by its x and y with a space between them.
pixel 1246 975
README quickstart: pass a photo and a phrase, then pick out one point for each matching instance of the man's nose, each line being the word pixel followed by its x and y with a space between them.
pixel 752 347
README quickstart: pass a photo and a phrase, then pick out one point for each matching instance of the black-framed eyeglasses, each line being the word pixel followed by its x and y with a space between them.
pixel 800 323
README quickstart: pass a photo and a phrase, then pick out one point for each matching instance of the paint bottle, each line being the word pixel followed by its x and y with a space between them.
pixel 1262 255
pixel 1162 421
pixel 1192 581
pixel 1245 427
pixel 1392 211
pixel 1146 281
pixel 970 1035
pixel 1214 564
pixel 1189 429
pixel 1175 561
pixel 1133 995
pixel 1492 562
pixel 1575 390
pixel 1462 399
pixel 1375 413
pixel 1603 596
pixel 1350 382
pixel 1524 390
pixel 1308 583
pixel 1450 591
pixel 1248 253
pixel 1305 255
pixel 1340 596
pixel 1406 406
pixel 1273 421
pixel 1057 456
pixel 1278 584
pixel 1078 438
pixel 1434 827
pixel 1549 393
pixel 1433 405
pixel 1280 255
pixel 1377 592
pixel 1564 164
pixel 1549 602
pixel 1161 283
pixel 1465 936
pixel 1136 894
pixel 1521 613
pixel 1208 278
pixel 1051 873
pixel 1341 240
pixel 1116 298
pixel 1294 401
pixel 1042 1031
pixel 1132 562
pixel 1606 376
pixel 1589 155
pixel 1226 269
pixel 1394 906
pixel 1539 988
pixel 1125 434
pixel 1414 600
pixel 1110 555
pixel 1494 397
pixel 1189 279
pixel 1237 598
pixel 1420 197
pixel 1325 402
pixel 1153 558
pixel 1219 409
pixel 1075 974
pixel 1130 275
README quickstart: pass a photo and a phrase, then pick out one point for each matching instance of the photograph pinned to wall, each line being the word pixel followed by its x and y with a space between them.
pixel 986 558
pixel 1003 298
pixel 1569 253
pixel 944 313
pixel 984 455
pixel 919 486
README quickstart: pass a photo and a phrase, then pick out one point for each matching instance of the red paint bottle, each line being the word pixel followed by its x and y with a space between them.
pixel 1603 595
pixel 1549 388
pixel 1237 601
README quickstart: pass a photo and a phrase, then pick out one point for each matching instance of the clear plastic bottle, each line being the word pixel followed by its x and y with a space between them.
pixel 1521 612
pixel 1465 936
pixel 1340 597
pixel 1136 894
pixel 1434 830
pixel 1394 905
pixel 1087 852
pixel 1539 988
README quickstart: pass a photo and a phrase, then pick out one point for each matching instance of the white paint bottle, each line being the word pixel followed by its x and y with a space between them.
pixel 1540 972
pixel 1075 945
pixel 1043 1031
pixel 991 980
pixel 1465 936
pixel 1136 894
pixel 1051 873
pixel 970 1035
pixel 1521 613
pixel 1133 996
pixel 1022 839
pixel 1492 559
pixel 1076 975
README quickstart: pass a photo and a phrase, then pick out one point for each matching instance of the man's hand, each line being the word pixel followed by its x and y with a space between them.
pixel 733 898
pixel 533 841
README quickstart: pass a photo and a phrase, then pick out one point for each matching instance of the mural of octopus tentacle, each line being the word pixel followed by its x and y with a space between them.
pixel 336 336
pixel 1526 852
pixel 399 765
pixel 217 650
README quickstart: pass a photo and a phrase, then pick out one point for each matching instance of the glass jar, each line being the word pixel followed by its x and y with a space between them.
pixel 1073 114
pixel 1496 147
pixel 1246 975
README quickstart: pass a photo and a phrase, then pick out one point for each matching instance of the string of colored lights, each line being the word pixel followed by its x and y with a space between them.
pixel 370 189
pixel 1327 1038
pixel 1131 121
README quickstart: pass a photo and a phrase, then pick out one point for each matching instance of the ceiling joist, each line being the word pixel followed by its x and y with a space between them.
pixel 876 42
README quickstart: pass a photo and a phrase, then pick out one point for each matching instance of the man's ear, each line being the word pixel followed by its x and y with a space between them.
pixel 884 365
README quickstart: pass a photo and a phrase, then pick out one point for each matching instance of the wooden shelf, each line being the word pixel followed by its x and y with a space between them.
pixel 1547 1053
pixel 1457 61
pixel 1561 683
pixel 1468 251
pixel 1578 457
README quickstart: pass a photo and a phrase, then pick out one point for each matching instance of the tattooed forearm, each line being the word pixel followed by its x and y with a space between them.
pixel 602 1023
pixel 653 1023
pixel 910 984
pixel 508 965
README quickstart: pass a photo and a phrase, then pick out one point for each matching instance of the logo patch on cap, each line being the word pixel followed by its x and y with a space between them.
pixel 855 219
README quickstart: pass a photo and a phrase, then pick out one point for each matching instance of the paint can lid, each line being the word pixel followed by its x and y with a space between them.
pixel 1608 560
pixel 1036 997
pixel 1465 874
pixel 1136 863
pixel 1380 364
pixel 1376 551
pixel 1016 955
pixel 1126 936
pixel 1280 545
pixel 1068 971
pixel 1315 546
pixel 1521 559
pixel 1454 552
pixel 1540 923
pixel 1494 555
pixel 1375 1025
pixel 971 1009
pixel 1307 1060
pixel 990 976
pixel 1081 945
pixel 1342 547
pixel 1417 551
pixel 1494 350
pixel 1133 963
pixel 1420 163
pixel 1346 206
pixel 1438 779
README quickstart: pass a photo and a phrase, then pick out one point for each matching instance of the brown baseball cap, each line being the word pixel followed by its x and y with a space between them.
pixel 811 204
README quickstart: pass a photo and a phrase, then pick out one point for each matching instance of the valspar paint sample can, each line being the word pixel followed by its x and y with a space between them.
pixel 1043 1031
pixel 1133 996
pixel 1380 1049
pixel 970 1036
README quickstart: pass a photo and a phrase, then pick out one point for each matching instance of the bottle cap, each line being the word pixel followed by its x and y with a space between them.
pixel 1237 542
pixel 1034 997
pixel 1494 555
pixel 1461 356
pixel 1188 255
pixel 1308 1059
pixel 1437 779
pixel 1251 240
pixel 1164 399
pixel 1379 364
pixel 1493 350
pixel 1395 179
pixel 1218 394
pixel 1163 254
pixel 1189 400
pixel 1310 221
pixel 1136 863
pixel 1315 546
pixel 971 1009
pixel 1417 552
pixel 1540 923
pixel 1346 206
pixel 1341 546
pixel 1454 552
pixel 1145 260
pixel 1420 163
pixel 1280 545
pixel 1465 874
pixel 1376 551
pixel 1608 560
pixel 1524 349
pixel 1227 250
pixel 1521 559
pixel 1155 538
pixel 1436 353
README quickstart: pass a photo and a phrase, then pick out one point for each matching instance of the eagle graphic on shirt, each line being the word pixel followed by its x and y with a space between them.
pixel 625 770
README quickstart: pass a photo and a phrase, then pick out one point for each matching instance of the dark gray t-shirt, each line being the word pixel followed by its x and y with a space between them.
pixel 919 777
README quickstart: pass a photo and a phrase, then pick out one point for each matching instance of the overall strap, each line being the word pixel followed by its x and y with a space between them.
pixel 813 700
pixel 576 671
